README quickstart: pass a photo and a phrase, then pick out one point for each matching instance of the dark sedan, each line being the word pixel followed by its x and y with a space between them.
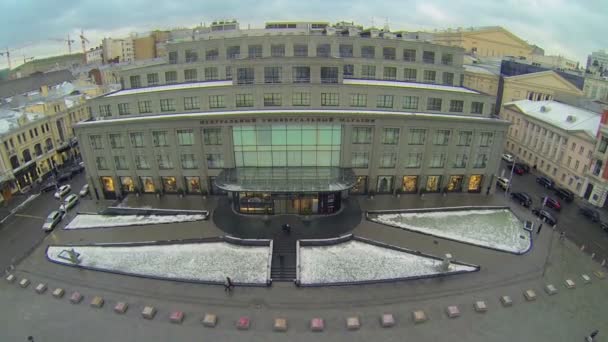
pixel 546 182
pixel 564 194
pixel 590 213
pixel 522 198
pixel 545 216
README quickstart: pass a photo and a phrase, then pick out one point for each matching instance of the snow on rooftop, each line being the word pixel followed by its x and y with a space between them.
pixel 180 86
pixel 103 221
pixel 479 70
pixel 561 115
pixel 410 85
pixel 9 119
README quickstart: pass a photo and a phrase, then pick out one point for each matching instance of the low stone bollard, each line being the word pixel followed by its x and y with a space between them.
pixel 58 292
pixel 586 279
pixel 599 274
pixel 582 248
pixel 24 283
pixel 530 295
pixel 419 316
pixel 75 298
pixel 550 289
pixel 121 307
pixel 97 302
pixel 176 317
pixel 353 323
pixel 11 278
pixel 452 311
pixel 209 320
pixel 480 306
pixel 243 323
pixel 148 312
pixel 570 283
pixel 506 301
pixel 317 324
pixel 387 320
pixel 280 324
pixel 41 288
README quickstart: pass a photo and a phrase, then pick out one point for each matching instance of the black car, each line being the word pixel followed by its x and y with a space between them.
pixel 545 216
pixel 76 169
pixel 48 187
pixel 523 198
pixel 64 177
pixel 590 213
pixel 564 194
pixel 523 166
pixel 546 182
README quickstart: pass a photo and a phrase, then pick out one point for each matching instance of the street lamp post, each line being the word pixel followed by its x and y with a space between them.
pixel 511 176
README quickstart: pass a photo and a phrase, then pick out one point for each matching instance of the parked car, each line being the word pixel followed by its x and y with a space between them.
pixel 84 191
pixel 552 203
pixel 545 216
pixel 69 202
pixel 48 187
pixel 525 167
pixel 62 191
pixel 64 177
pixel 518 170
pixel 523 198
pixel 52 220
pixel 546 182
pixel 503 183
pixel 564 194
pixel 76 169
pixel 590 213
pixel 508 158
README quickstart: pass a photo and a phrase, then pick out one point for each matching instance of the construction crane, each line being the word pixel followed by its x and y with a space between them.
pixel 69 41
pixel 84 42
pixel 8 57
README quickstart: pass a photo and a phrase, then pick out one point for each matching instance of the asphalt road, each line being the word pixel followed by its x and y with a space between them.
pixel 578 228
pixel 22 232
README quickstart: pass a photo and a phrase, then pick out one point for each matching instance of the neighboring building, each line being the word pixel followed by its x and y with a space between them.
pixel 481 79
pixel 47 65
pixel 95 55
pixel 597 189
pixel 144 47
pixel 33 82
pixel 596 88
pixel 553 62
pixel 556 139
pixel 597 63
pixel 118 50
pixel 538 86
pixel 490 41
pixel 293 123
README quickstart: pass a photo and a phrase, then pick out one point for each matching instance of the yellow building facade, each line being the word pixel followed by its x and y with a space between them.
pixel 492 41
pixel 480 79
pixel 538 86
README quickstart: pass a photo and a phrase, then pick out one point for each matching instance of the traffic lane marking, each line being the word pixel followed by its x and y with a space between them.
pixel 29 216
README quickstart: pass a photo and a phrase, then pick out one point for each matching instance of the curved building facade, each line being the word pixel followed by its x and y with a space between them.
pixel 292 121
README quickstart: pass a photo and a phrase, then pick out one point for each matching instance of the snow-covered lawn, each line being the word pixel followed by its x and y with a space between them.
pixel 103 221
pixel 206 262
pixel 356 261
pixel 493 228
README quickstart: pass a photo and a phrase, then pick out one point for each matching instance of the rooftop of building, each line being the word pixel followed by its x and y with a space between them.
pixel 34 82
pixel 560 115
pixel 482 69
pixel 12 119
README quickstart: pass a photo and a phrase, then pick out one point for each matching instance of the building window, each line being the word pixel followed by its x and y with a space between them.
pixel 448 78
pixel 330 99
pixel 464 138
pixel 410 102
pixel 123 109
pixel 476 107
pixel 413 160
pixel 346 50
pixel 390 73
pixel 137 139
pixel 101 163
pixel 188 161
pixel 185 137
pixel 576 165
pixel 417 136
pixel 348 70
pixel 428 57
pixel 368 71
pixel 228 72
pixel 211 54
pixel 429 76
pixel 152 79
pixel 433 103
pixel 216 101
pixel 437 160
pixel 456 106
pixel 254 51
pixel 581 150
pixel 145 106
pixel 441 137
pixel 160 139
pixel 300 50
pixel 301 74
pixel 447 59
pixel 358 100
pixel 105 110
pixel 233 52
pixel 272 74
pixel 192 103
pixel 409 55
pixel 360 160
pixel 301 99
pixel 167 105
pixel 323 50
pixel 384 101
pixel 191 75
pixel 127 184
pixel 368 52
pixel 388 160
pixel 191 56
pixel 215 161
pixel 141 162
pixel 193 185
pixel 212 136
pixel 385 184
pixel 485 139
pixel 96 142
pixel 244 100
pixel 277 50
pixel 573 147
pixel 211 74
pixel 460 161
pixel 410 184
pixel 135 81
pixel 169 184
pixel 362 135
pixel 603 145
pixel 390 136
pixel 148 184
pixel 164 162
pixel 121 163
pixel 170 77
pixel 329 74
pixel 480 161
pixel 116 141
pixel 410 74
pixel 272 99
pixel 244 76
pixel 389 53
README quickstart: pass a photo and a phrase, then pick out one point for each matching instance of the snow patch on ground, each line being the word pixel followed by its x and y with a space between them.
pixel 493 228
pixel 104 221
pixel 205 262
pixel 356 261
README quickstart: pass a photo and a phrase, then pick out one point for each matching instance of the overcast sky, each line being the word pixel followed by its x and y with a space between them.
pixel 569 28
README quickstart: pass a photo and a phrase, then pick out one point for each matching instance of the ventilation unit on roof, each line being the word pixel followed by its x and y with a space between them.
pixel 570 118
pixel 545 109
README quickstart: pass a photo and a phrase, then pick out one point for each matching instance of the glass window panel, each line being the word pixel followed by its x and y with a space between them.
pixel 279 136
pixel 279 158
pixel 250 158
pixel 309 158
pixel 324 158
pixel 249 138
pixel 294 158
pixel 238 159
pixel 324 137
pixel 309 137
pixel 294 137
pixel 265 158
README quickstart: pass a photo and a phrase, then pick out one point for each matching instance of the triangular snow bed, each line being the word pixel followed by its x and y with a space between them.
pixel 87 221
pixel 354 260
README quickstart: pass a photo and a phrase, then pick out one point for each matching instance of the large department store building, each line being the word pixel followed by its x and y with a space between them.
pixel 292 119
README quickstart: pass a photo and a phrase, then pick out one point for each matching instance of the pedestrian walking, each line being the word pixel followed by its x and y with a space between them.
pixel 287 228
pixel 228 285
pixel 591 336
pixel 540 226
pixel 562 236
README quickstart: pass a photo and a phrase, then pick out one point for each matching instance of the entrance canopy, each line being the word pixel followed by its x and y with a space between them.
pixel 286 179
